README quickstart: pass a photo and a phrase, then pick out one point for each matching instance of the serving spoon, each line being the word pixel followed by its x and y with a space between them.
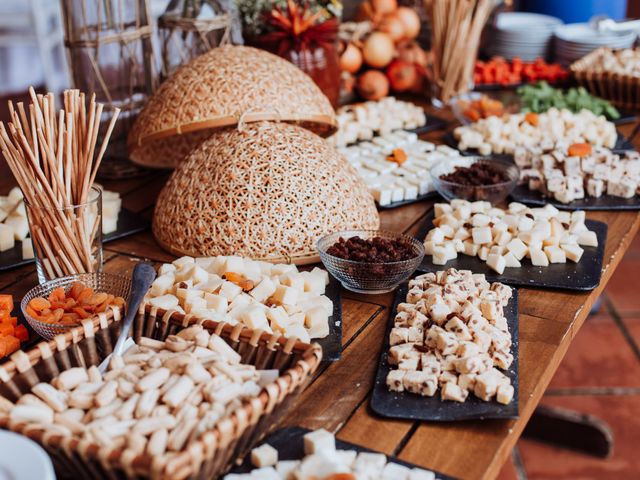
pixel 143 276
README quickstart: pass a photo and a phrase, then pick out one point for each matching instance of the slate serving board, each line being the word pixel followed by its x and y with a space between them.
pixel 433 123
pixel 621 144
pixel 288 441
pixel 411 406
pixel 584 275
pixel 128 224
pixel 605 202
pixel 332 343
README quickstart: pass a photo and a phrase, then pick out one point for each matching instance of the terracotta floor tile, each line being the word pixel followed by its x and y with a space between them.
pixel 619 412
pixel 633 324
pixel 622 289
pixel 509 471
pixel 594 358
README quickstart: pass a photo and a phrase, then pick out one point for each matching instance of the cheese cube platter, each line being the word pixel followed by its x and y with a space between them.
pixel 452 397
pixel 583 274
pixel 293 444
pixel 128 223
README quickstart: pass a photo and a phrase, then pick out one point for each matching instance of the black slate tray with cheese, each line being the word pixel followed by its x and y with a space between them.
pixel 522 194
pixel 584 275
pixel 290 445
pixel 621 144
pixel 128 224
pixel 411 406
pixel 332 343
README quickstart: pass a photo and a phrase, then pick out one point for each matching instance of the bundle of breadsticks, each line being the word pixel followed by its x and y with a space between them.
pixel 456 26
pixel 54 159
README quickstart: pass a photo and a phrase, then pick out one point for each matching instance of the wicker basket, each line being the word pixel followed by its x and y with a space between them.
pixel 205 458
pixel 621 90
pixel 224 87
pixel 268 193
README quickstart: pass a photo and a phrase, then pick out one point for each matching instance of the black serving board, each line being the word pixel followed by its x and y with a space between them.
pixel 584 275
pixel 605 202
pixel 332 343
pixel 411 406
pixel 128 224
pixel 621 144
pixel 433 123
pixel 290 446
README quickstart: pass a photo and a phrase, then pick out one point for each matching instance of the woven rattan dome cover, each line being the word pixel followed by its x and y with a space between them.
pixel 268 193
pixel 224 87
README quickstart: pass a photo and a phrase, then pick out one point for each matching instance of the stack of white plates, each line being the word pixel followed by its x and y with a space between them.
pixel 520 34
pixel 575 40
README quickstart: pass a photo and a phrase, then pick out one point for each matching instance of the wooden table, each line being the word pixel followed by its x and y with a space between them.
pixel 338 398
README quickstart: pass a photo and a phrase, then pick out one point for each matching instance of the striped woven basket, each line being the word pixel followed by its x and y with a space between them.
pixel 224 87
pixel 206 458
pixel 621 90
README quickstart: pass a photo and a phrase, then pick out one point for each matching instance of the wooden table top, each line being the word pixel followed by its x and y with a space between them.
pixel 338 398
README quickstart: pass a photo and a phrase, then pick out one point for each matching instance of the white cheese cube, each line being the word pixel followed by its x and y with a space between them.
pixel 218 303
pixel 517 248
pixel 314 281
pixel 370 463
pixel 572 252
pixel 183 261
pixel 451 391
pixel 7 237
pixel 442 209
pixel 285 468
pixel 420 474
pixel 483 253
pixel 213 283
pixel 440 255
pixel 294 280
pixel 538 257
pixel 15 196
pixel 588 239
pixel 480 220
pixel 254 317
pixel 166 268
pixel 470 248
pixel 511 261
pixel 263 290
pixel 395 380
pixel 230 290
pixel 503 238
pixel 481 235
pixel 233 264
pixel 496 262
pixel 394 471
pixel 504 394
pixel 317 322
pixel 166 302
pixel 27 249
pixel 285 295
pixel 319 440
pixel 555 254
pixel 264 456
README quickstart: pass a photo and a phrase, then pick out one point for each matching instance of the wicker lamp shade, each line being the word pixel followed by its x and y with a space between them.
pixel 268 193
pixel 227 86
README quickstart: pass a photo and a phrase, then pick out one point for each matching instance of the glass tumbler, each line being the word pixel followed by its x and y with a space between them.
pixel 67 240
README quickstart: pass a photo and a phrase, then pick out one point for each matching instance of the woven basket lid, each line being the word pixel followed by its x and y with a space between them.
pixel 227 86
pixel 268 193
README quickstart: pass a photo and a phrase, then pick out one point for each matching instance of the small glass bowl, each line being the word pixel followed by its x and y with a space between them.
pixel 489 193
pixel 117 285
pixel 459 104
pixel 364 277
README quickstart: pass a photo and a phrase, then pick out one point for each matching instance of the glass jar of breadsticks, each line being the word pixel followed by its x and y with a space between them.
pixel 456 27
pixel 54 159
pixel 73 244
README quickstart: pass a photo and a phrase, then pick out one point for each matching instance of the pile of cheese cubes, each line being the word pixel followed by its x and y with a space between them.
pixel 391 181
pixel 323 461
pixel 552 129
pixel 363 121
pixel 452 333
pixel 15 227
pixel 260 295
pixel 503 238
pixel 566 178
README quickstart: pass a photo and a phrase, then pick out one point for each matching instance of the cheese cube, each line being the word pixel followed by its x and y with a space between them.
pixel 264 456
pixel 166 268
pixel 285 468
pixel 233 264
pixel 451 391
pixel 595 187
pixel 483 253
pixel 588 239
pixel 436 236
pixel 442 209
pixel 166 302
pixel 470 248
pixel 218 303
pixel 194 304
pixel 395 380
pixel 317 322
pixel 317 441
pixel 420 474
pixel 572 252
pixel 285 295
pixel 503 238
pixel 525 224
pixel 263 290
pixel 511 261
pixel 555 254
pixel 481 235
pixel 15 196
pixel 183 261
pixel 504 394
pixel 294 280
pixel 538 257
pixel 297 331
pixel 428 247
pixel 230 290
pixel 440 255
pixel 27 249
pixel 315 281
pixel 213 283
pixel 7 237
pixel 496 262
pixel 517 248
pixel 394 471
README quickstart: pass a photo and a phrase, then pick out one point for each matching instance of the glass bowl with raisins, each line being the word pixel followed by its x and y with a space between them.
pixel 370 261
pixel 475 178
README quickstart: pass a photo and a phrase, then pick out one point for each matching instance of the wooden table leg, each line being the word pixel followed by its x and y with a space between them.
pixel 572 430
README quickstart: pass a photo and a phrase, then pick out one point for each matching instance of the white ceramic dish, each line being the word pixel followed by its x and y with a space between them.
pixel 23 459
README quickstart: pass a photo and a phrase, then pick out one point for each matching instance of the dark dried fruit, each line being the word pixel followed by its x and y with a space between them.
pixel 374 250
pixel 478 174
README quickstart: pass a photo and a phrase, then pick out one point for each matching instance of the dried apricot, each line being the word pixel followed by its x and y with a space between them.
pixel 39 303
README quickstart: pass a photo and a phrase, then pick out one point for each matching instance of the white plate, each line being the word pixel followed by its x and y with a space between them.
pixel 523 22
pixel 23 459
pixel 581 33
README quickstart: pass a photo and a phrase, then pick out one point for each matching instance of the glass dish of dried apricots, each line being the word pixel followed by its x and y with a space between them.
pixel 61 304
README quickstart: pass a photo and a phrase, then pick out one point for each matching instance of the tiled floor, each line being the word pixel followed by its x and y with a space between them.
pixel 600 375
